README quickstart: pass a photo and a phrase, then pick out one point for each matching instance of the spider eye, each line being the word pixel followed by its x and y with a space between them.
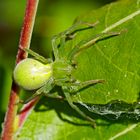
pixel 31 74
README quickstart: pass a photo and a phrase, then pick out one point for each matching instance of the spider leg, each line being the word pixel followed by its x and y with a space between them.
pixel 82 46
pixel 78 27
pixel 61 38
pixel 75 86
pixel 68 98
pixel 37 56
pixel 54 96
pixel 43 90
pixel 81 85
pixel 36 94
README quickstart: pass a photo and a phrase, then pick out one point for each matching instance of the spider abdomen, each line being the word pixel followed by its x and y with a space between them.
pixel 31 74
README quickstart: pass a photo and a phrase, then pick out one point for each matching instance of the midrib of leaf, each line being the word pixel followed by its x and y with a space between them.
pixel 125 131
pixel 121 21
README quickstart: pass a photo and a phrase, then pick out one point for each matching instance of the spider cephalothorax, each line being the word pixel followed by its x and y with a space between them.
pixel 62 71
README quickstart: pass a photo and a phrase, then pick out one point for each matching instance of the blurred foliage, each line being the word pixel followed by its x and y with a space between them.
pixel 53 16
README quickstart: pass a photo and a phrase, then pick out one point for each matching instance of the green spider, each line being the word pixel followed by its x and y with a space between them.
pixel 43 74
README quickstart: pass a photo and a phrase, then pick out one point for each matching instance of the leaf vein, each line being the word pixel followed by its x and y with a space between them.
pixel 113 64
pixel 125 131
pixel 123 20
pixel 107 14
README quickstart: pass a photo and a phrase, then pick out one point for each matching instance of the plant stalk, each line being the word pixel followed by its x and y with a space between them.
pixel 25 38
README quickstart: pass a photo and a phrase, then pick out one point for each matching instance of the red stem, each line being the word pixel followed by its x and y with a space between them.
pixel 25 111
pixel 27 29
pixel 8 127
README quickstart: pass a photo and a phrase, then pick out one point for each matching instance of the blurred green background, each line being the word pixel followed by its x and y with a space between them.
pixel 53 16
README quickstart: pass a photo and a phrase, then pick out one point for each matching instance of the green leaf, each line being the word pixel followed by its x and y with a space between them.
pixel 114 59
